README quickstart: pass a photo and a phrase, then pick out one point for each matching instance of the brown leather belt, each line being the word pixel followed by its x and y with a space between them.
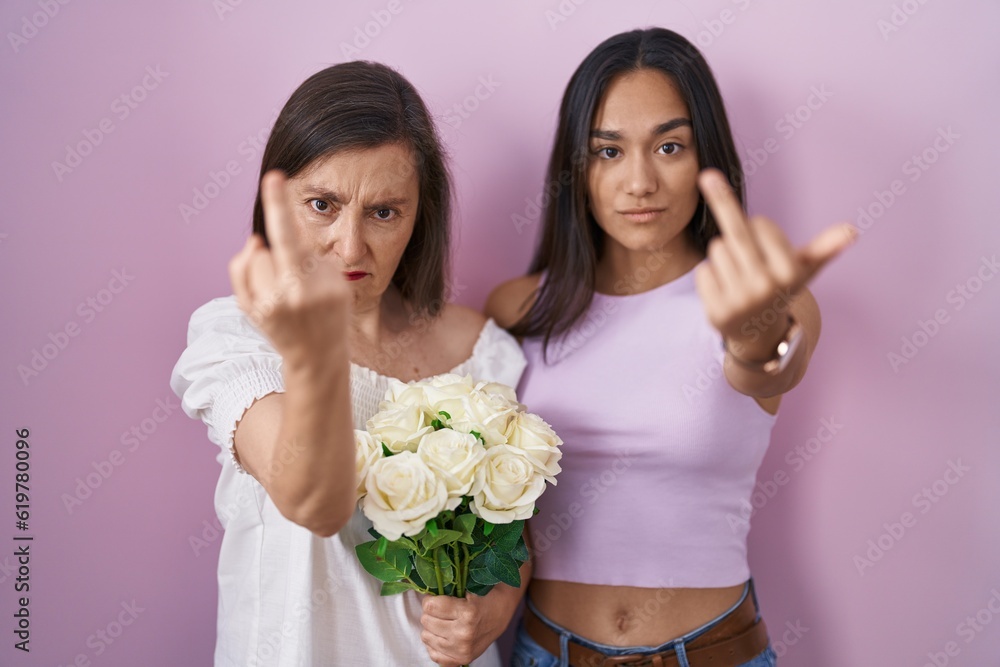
pixel 735 640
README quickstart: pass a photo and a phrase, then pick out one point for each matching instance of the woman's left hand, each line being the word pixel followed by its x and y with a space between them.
pixel 459 630
pixel 752 268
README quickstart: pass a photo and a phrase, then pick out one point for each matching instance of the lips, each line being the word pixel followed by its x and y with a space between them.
pixel 641 214
pixel 354 275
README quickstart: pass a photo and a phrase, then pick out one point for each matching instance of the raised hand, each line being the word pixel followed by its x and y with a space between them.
pixel 297 297
pixel 752 265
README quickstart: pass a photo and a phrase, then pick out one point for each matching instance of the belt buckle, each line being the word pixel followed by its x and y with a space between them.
pixel 634 660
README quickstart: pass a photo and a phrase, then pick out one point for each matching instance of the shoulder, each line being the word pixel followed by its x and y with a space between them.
pixel 457 328
pixel 219 314
pixel 510 300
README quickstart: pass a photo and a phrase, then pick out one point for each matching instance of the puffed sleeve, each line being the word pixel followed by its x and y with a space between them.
pixel 227 365
pixel 498 356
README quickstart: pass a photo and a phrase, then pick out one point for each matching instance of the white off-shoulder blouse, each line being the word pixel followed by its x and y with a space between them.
pixel 288 597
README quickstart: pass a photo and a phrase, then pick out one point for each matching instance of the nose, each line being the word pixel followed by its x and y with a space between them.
pixel 348 238
pixel 640 176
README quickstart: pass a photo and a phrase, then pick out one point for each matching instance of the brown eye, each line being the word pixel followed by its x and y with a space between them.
pixel 384 214
pixel 319 205
pixel 674 148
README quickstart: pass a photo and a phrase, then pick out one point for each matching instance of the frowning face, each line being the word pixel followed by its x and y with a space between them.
pixel 358 207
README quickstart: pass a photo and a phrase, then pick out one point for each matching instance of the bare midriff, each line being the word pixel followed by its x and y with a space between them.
pixel 630 616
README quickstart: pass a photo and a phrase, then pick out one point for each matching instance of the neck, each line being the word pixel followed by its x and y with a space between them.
pixel 373 320
pixel 622 271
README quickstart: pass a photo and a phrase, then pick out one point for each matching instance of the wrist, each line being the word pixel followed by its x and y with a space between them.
pixel 770 356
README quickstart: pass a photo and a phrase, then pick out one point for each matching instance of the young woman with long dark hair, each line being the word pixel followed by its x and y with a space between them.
pixel 661 328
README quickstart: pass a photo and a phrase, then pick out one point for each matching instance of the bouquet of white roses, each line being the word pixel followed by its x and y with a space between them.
pixel 448 470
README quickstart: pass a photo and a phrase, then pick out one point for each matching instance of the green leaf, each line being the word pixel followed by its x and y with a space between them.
pixel 465 523
pixel 393 587
pixel 487 528
pixel 437 424
pixel 446 415
pixel 440 538
pixel 393 566
pixel 424 568
pixel 432 526
pixel 482 576
pixel 414 574
pixel 478 435
pixel 447 570
pixel 386 450
pixel 520 552
pixel 503 567
pixel 478 589
pixel 506 535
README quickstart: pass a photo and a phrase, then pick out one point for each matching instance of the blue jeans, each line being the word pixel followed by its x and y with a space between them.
pixel 528 653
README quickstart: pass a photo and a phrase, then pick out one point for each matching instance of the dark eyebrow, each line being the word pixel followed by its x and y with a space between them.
pixel 322 193
pixel 663 128
pixel 315 191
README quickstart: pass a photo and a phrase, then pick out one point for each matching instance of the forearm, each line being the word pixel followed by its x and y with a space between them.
pixel 312 467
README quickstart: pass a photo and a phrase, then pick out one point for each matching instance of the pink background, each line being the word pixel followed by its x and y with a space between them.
pixel 223 78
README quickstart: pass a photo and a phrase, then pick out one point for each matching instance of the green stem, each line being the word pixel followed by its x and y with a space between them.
pixel 437 571
pixel 415 587
pixel 459 583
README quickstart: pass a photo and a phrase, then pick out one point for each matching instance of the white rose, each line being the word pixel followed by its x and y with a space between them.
pixel 485 413
pixel 535 437
pixel 497 390
pixel 368 451
pixel 399 426
pixel 454 457
pixel 403 495
pixel 508 484
pixel 405 393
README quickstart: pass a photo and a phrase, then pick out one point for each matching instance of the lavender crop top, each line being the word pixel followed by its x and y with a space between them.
pixel 660 453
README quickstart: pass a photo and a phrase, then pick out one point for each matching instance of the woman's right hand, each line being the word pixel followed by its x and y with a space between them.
pixel 299 443
pixel 295 295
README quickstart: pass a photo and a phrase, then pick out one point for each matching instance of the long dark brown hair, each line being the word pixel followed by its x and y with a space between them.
pixel 363 105
pixel 571 240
